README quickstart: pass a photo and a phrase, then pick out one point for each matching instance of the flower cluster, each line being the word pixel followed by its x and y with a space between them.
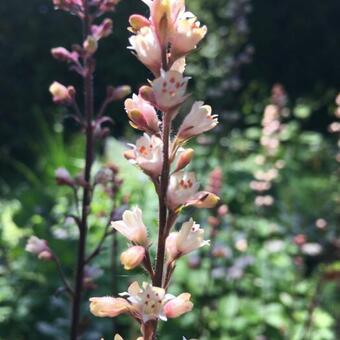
pixel 161 42
pixel 268 165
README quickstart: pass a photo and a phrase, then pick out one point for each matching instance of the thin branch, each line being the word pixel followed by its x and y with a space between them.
pixel 62 275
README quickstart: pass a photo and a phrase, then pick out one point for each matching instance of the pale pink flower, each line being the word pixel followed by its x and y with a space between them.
pixel 62 54
pixel 147 48
pixel 38 247
pixel 169 90
pixel 178 306
pixel 108 306
pixel 148 154
pixel 198 120
pixel 147 301
pixel 187 34
pixel 103 30
pixel 132 257
pixel 142 114
pixel 189 238
pixel 132 227
pixel 179 65
pixel 61 94
pixel 182 191
pixel 63 177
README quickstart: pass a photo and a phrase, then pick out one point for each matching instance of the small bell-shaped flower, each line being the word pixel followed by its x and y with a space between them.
pixel 187 34
pixel 188 239
pixel 178 306
pixel 132 227
pixel 142 114
pixel 62 94
pixel 147 154
pixel 169 90
pixel 147 301
pixel 198 120
pixel 183 192
pixel 147 48
pixel 132 257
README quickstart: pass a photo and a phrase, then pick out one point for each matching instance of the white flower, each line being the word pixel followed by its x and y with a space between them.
pixel 148 154
pixel 147 301
pixel 188 239
pixel 198 120
pixel 132 227
pixel 169 90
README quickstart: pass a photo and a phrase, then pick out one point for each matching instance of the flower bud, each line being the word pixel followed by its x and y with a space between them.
pixel 132 257
pixel 39 247
pixel 62 54
pixel 178 306
pixel 137 21
pixel 184 159
pixel 90 45
pixel 63 177
pixel 103 30
pixel 108 306
pixel 146 92
pixel 62 94
pixel 120 92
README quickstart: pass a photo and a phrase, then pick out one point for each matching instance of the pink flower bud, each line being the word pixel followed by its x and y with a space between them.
pixel 62 94
pixel 63 177
pixel 198 120
pixel 132 227
pixel 108 306
pixel 142 114
pixel 184 159
pixel 137 21
pixel 132 257
pixel 62 54
pixel 39 247
pixel 178 306
pixel 103 30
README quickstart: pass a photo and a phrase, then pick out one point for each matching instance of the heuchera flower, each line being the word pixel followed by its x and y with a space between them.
pixel 103 30
pixel 132 257
pixel 61 94
pixel 147 301
pixel 142 114
pixel 178 306
pixel 62 54
pixel 132 227
pixel 39 247
pixel 188 33
pixel 188 239
pixel 182 192
pixel 108 306
pixel 147 49
pixel 170 90
pixel 147 154
pixel 198 120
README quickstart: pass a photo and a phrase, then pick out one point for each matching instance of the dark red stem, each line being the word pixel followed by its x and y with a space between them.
pixel 88 109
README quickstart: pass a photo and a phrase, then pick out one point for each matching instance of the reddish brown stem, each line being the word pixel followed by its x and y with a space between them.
pixel 88 109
